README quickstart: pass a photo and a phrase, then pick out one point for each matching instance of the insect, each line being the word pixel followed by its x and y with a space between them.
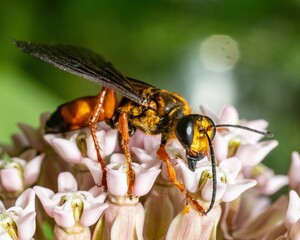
pixel 153 110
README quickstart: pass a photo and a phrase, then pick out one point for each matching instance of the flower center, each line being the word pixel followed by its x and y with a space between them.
pixel 9 225
pixel 76 202
pixel 233 145
pixel 81 144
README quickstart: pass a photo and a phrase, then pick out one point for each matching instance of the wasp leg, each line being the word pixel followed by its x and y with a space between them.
pixel 92 123
pixel 163 155
pixel 124 130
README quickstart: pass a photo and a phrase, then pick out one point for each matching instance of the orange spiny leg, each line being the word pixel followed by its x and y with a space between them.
pixel 124 130
pixel 163 155
pixel 92 122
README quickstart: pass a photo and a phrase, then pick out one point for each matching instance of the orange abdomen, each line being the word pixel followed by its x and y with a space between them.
pixel 75 114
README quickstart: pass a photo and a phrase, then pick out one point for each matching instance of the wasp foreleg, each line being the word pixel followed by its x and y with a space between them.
pixel 163 156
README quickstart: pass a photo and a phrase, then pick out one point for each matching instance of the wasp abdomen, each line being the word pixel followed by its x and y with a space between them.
pixel 75 114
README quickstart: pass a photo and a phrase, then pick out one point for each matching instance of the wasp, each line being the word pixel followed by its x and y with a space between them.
pixel 142 106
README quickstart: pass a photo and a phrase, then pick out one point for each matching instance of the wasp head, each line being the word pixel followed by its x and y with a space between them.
pixel 195 133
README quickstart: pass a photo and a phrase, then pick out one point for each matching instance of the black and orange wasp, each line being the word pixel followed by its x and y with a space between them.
pixel 144 107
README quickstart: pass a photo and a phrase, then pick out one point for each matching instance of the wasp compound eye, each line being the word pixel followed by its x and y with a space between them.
pixel 185 131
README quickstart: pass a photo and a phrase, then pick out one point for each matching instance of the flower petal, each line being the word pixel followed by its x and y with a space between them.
pixel 207 190
pixel 206 111
pixel 144 181
pixel 27 200
pixel 98 194
pixel 2 207
pixel 33 135
pixel 63 217
pixel 252 154
pixel 26 226
pixel 293 211
pixel 117 158
pixel 92 214
pixel 125 222
pixel 111 140
pixel 116 182
pixel 95 169
pixel 235 190
pixel 231 166
pixel 295 231
pixel 32 170
pixel 252 137
pixel 229 115
pixel 154 217
pixel 66 182
pixel 67 150
pixel 220 145
pixel 294 175
pixel 141 154
pixel 107 141
pixel 275 183
pixel 20 141
pixel 45 194
pixel 4 235
pixel 11 179
pixel 182 222
pixel 189 177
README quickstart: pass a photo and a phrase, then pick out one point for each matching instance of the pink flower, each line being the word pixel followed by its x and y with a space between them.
pixel 228 186
pixel 17 174
pixel 70 207
pixel 76 145
pixel 124 218
pixel 267 182
pixel 18 222
pixel 174 149
pixel 253 154
pixel 145 175
pixel 149 143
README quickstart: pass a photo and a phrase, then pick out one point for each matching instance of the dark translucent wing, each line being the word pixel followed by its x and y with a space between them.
pixel 137 84
pixel 84 63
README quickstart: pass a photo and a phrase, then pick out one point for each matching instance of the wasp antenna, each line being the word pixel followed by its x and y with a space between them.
pixel 214 175
pixel 267 133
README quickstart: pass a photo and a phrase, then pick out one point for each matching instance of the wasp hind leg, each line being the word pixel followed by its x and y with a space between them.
pixel 92 123
pixel 163 156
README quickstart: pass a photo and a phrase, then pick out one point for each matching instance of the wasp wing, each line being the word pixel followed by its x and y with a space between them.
pixel 84 63
pixel 137 84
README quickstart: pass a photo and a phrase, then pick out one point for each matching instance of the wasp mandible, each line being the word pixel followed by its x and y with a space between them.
pixel 143 106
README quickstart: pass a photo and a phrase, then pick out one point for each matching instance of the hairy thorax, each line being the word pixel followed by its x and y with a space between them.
pixel 160 116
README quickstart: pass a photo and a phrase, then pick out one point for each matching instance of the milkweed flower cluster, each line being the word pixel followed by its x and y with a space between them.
pixel 62 171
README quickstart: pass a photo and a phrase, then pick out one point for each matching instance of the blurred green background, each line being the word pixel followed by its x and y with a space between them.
pixel 257 69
